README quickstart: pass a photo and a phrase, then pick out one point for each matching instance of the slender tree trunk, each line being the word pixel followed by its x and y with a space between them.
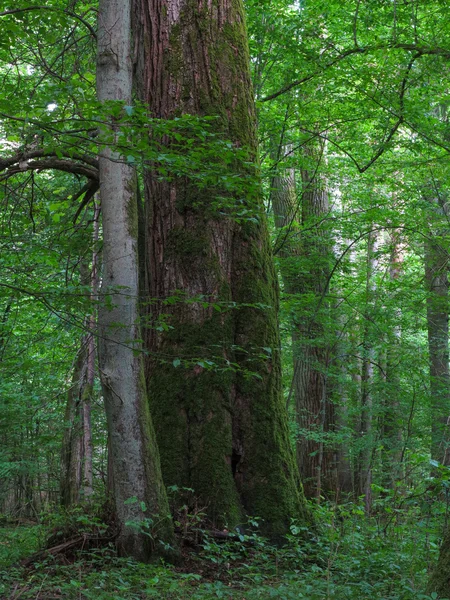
pixel 72 448
pixel 349 378
pixel 222 429
pixel 363 474
pixel 436 278
pixel 90 367
pixel 305 254
pixel 138 489
pixel 343 415
pixel 392 418
pixel 344 467
pixel 76 467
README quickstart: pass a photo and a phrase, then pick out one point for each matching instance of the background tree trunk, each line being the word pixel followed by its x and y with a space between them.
pixel 76 467
pixel 391 426
pixel 436 278
pixel 305 254
pixel 72 448
pixel 363 475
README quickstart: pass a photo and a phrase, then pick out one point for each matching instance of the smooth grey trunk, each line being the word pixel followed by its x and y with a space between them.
pixel 140 499
pixel 343 413
pixel 345 369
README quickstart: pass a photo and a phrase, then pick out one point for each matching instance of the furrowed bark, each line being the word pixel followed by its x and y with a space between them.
pixel 221 432
pixel 138 489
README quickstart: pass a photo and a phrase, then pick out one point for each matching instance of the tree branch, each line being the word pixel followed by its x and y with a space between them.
pixel 56 163
pixel 41 153
pixel 419 50
pixel 14 11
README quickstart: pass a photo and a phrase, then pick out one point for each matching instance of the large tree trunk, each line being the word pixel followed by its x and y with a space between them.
pixel 138 488
pixel 215 380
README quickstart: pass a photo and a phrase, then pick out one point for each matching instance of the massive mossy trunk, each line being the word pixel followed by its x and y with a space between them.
pixel 139 493
pixel 214 380
pixel 304 248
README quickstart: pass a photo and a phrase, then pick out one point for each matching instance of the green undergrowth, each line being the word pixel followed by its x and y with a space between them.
pixel 387 556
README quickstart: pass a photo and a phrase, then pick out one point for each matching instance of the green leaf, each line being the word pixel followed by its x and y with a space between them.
pixel 132 500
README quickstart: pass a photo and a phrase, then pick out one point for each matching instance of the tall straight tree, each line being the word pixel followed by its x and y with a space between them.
pixel 221 430
pixel 436 279
pixel 304 248
pixel 392 422
pixel 76 467
pixel 363 474
pixel 137 483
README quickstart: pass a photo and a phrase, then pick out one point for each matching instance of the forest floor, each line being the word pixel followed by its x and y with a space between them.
pixel 387 556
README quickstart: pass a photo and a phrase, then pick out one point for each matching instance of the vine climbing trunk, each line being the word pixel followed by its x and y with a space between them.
pixel 214 378
pixel 138 488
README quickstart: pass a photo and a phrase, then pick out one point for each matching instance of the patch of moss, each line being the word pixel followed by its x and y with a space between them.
pixel 183 243
pixel 191 406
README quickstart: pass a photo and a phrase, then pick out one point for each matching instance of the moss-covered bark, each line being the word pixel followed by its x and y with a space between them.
pixel 214 376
